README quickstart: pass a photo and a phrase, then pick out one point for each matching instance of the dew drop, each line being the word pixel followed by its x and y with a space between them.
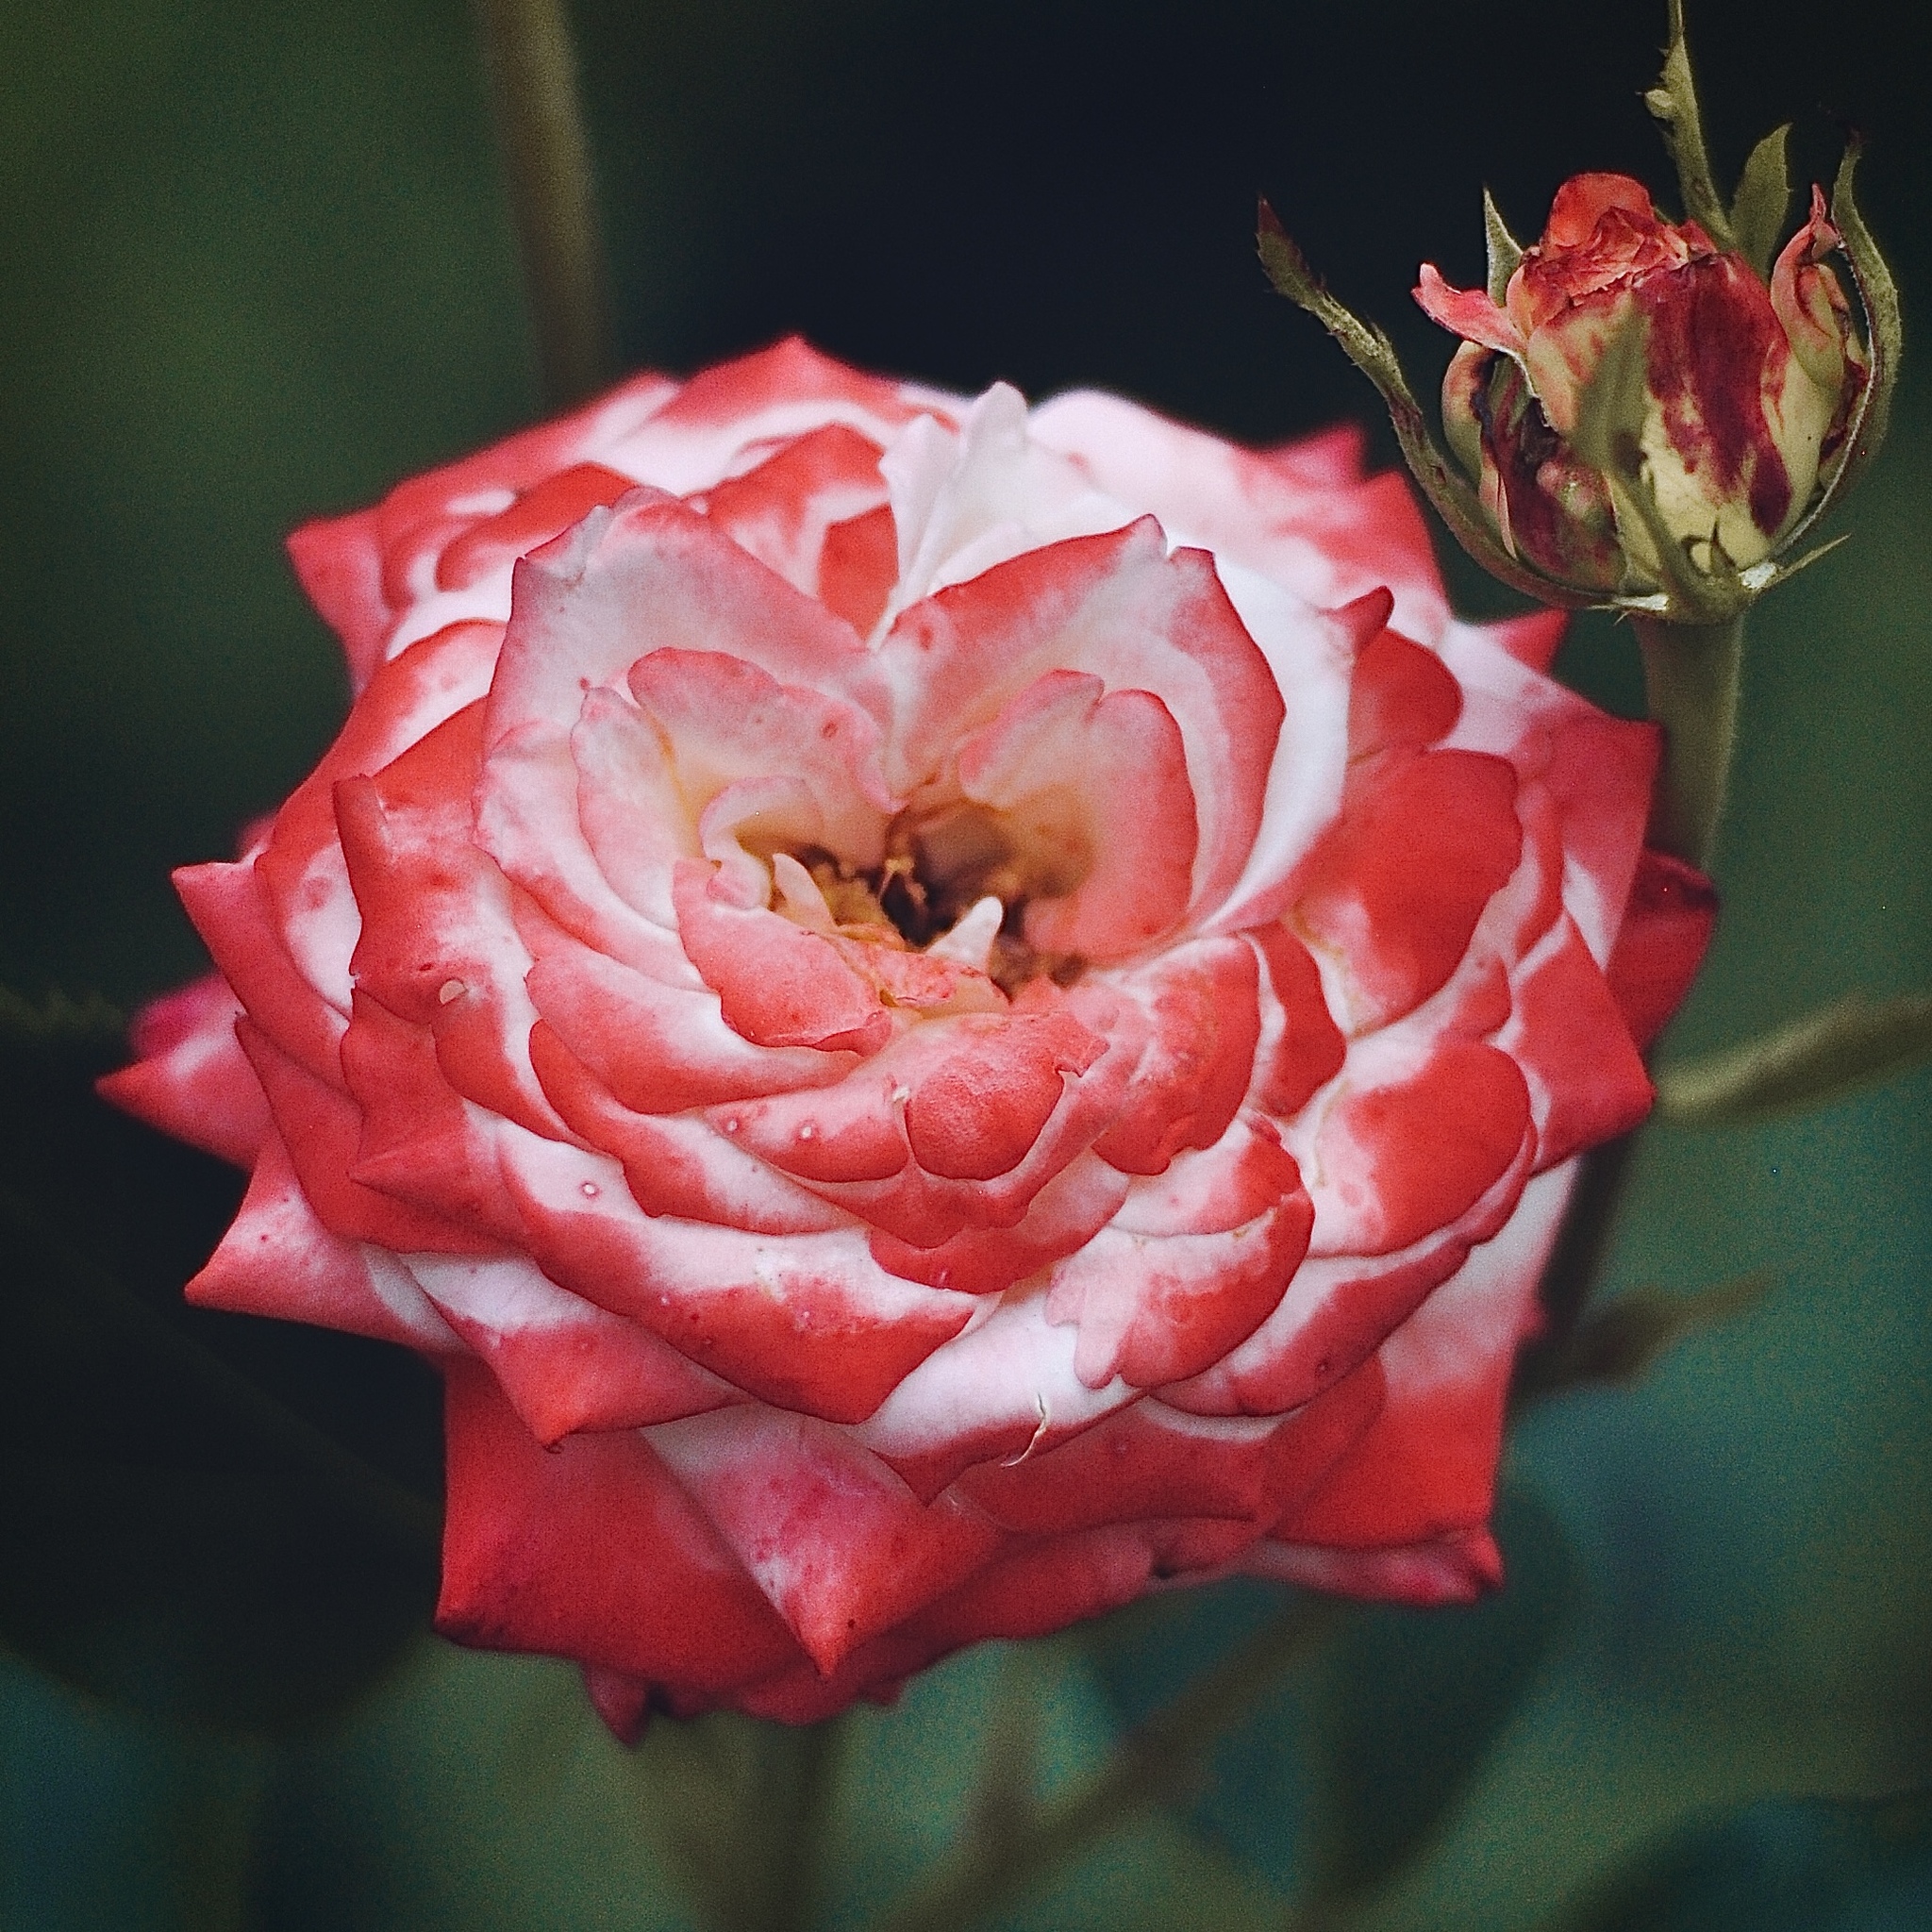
pixel 589 1190
pixel 732 1124
pixel 900 1094
pixel 807 1131
pixel 451 989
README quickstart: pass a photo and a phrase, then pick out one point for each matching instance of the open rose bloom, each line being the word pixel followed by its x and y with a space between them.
pixel 935 1014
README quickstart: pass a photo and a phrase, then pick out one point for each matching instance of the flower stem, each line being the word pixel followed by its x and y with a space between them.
pixel 1692 674
pixel 1147 1766
pixel 546 159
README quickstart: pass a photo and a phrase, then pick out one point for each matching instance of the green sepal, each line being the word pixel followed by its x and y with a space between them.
pixel 1373 354
pixel 1673 104
pixel 1617 1343
pixel 1763 202
pixel 1506 252
pixel 1807 1063
pixel 1884 336
pixel 1610 412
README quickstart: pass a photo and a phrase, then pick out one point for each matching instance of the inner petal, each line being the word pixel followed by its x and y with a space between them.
pixel 1088 791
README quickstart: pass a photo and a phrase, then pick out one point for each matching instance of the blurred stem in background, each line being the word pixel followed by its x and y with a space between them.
pixel 546 159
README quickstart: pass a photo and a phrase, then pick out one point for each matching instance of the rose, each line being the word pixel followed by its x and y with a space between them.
pixel 954 1011
pixel 1748 391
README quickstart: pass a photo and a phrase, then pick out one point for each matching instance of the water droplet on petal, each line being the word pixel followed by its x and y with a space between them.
pixel 589 1190
pixel 451 989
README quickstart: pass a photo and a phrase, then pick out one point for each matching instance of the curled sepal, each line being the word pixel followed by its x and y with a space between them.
pixel 1807 1063
pixel 1673 104
pixel 1373 354
pixel 1884 340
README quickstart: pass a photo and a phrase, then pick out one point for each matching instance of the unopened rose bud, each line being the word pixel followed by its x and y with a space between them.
pixel 1639 388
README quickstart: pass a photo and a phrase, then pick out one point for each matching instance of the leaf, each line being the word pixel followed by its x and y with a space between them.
pixel 1807 1063
pixel 1413 1697
pixel 1763 201
pixel 1373 354
pixel 1780 1865
pixel 201 1515
pixel 1672 103
pixel 1618 1343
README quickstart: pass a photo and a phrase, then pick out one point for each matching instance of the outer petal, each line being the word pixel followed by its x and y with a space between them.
pixel 589 1550
pixel 190 1077
pixel 1426 1469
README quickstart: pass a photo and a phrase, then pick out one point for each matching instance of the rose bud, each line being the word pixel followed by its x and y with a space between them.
pixel 934 1013
pixel 1738 413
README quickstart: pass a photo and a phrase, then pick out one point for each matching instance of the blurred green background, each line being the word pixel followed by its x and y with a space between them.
pixel 258 267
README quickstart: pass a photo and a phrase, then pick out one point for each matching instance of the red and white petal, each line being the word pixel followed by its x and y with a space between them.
pixel 1201 1003
pixel 592 1550
pixel 965 501
pixel 1093 786
pixel 1192 1264
pixel 1585 1077
pixel 1426 1469
pixel 678 1163
pixel 1063 1217
pixel 230 909
pixel 658 1048
pixel 1455 1568
pixel 1005 1387
pixel 650 575
pixel 565 1364
pixel 1300 516
pixel 723 720
pixel 190 1077
pixel 782 510
pixel 1148 1461
pixel 727 419
pixel 1116 607
pixel 1417 1133
pixel 777 984
pixel 805 1322
pixel 1395 890
pixel 322 1128
pixel 278 1259
pixel 838 1545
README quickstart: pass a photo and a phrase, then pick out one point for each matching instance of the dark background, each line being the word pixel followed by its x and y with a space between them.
pixel 256 267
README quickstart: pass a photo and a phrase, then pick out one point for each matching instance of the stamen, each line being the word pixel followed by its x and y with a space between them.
pixel 970 943
pixel 799 896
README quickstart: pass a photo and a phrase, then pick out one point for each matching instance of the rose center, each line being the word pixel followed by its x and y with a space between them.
pixel 938 865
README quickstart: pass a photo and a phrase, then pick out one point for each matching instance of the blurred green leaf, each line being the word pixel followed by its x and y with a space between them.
pixel 1411 1699
pixel 1785 1865
pixel 1618 1342
pixel 1808 1062
pixel 180 1524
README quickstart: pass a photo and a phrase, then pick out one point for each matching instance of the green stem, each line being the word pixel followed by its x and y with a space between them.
pixel 546 158
pixel 1691 676
pixel 790 1800
pixel 1147 1766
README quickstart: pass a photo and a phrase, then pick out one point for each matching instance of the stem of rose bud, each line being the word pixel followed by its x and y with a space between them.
pixel 546 160
pixel 793 1788
pixel 1691 676
pixel 1148 1765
